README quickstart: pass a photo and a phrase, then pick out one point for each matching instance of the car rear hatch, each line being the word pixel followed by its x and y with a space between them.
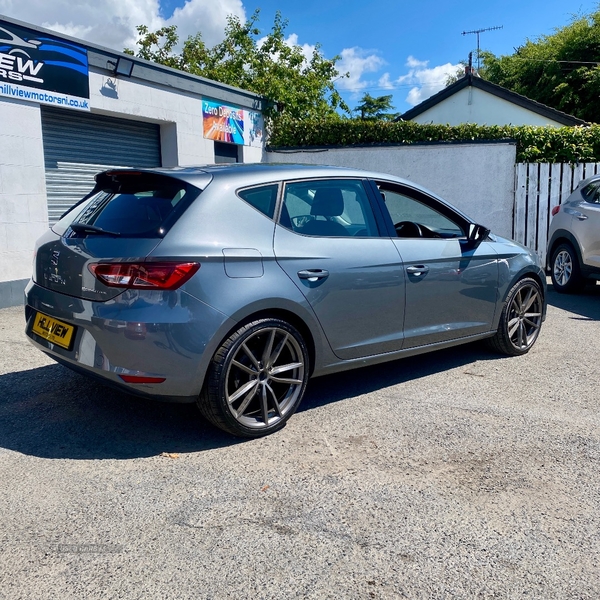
pixel 116 226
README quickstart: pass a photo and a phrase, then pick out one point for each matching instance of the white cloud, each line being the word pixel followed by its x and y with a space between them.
pixel 207 16
pixel 357 62
pixel 385 82
pixel 291 41
pixel 425 81
pixel 112 23
pixel 413 63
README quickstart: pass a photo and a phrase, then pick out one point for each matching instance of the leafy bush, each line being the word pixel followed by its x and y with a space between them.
pixel 534 144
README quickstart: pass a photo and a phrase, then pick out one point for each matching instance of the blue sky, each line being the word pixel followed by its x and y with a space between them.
pixel 399 48
pixel 429 31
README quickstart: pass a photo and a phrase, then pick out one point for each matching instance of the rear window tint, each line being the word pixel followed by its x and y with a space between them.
pixel 263 198
pixel 132 205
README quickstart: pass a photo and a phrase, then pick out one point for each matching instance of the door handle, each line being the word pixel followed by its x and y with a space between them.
pixel 417 270
pixel 581 217
pixel 313 274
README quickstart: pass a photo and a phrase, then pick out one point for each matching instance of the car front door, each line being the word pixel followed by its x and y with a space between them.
pixel 451 290
pixel 329 242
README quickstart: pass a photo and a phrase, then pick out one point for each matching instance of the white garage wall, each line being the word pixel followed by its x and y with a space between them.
pixel 179 113
pixel 476 178
pixel 23 205
pixel 23 213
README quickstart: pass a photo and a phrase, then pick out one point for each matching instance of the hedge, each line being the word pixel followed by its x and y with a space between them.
pixel 534 144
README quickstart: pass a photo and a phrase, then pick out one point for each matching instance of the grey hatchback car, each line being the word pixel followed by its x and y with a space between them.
pixel 230 286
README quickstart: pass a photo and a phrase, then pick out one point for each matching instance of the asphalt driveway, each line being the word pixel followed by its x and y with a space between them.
pixel 458 474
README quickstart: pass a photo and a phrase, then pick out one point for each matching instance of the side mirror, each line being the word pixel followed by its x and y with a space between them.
pixel 476 235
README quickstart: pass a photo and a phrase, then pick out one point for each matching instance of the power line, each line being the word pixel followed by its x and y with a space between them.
pixel 396 87
pixel 554 60
pixel 434 83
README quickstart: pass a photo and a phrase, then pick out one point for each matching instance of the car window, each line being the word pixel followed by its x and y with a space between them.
pixel 131 204
pixel 263 198
pixel 591 193
pixel 413 218
pixel 328 208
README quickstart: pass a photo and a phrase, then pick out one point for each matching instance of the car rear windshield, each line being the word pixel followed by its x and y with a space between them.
pixel 130 204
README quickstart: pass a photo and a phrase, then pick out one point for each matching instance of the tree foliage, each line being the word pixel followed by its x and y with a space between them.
pixel 555 69
pixel 295 85
pixel 372 108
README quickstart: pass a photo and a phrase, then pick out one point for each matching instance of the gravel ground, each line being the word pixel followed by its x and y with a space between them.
pixel 457 474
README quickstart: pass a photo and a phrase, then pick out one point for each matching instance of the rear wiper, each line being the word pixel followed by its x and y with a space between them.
pixel 83 228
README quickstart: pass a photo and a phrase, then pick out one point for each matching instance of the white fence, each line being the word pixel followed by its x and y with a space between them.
pixel 539 187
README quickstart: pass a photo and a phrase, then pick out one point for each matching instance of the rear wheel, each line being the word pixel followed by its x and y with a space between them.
pixel 521 319
pixel 256 379
pixel 566 274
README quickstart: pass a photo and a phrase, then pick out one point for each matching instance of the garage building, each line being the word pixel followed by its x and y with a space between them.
pixel 69 109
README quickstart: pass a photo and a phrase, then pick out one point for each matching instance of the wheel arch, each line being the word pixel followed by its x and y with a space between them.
pixel 300 317
pixel 559 237
pixel 537 275
pixel 289 317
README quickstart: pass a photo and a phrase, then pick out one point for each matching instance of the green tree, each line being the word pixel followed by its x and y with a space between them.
pixel 296 86
pixel 372 108
pixel 560 70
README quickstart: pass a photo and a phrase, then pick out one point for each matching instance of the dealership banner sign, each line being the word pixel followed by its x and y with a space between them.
pixel 225 123
pixel 41 68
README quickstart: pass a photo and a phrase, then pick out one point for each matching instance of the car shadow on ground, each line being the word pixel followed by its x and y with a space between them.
pixel 584 305
pixel 348 384
pixel 52 412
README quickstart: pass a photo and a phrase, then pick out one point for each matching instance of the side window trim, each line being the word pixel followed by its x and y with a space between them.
pixel 385 223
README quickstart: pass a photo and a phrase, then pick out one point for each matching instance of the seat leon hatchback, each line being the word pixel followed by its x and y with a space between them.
pixel 230 286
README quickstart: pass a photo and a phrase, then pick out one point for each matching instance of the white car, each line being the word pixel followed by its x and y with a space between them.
pixel 574 247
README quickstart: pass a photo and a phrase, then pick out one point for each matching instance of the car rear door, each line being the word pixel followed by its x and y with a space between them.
pixel 329 242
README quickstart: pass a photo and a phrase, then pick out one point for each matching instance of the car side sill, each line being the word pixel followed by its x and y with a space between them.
pixel 389 356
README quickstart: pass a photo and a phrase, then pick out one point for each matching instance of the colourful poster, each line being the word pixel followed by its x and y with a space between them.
pixel 223 123
pixel 253 128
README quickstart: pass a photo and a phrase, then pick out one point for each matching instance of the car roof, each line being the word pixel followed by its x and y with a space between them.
pixel 265 172
pixel 249 174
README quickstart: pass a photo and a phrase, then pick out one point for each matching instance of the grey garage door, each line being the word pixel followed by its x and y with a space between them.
pixel 77 145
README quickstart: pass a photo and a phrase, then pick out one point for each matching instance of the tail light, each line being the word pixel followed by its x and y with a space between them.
pixel 555 210
pixel 144 276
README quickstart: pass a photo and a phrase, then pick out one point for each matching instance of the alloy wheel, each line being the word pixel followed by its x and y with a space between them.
pixel 563 267
pixel 264 378
pixel 525 316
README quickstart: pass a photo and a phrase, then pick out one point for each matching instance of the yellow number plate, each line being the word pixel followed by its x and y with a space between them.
pixel 54 331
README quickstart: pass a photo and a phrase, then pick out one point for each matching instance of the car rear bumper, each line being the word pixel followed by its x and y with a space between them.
pixel 168 335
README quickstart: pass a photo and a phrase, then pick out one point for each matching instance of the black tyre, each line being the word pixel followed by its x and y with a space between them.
pixel 565 272
pixel 521 319
pixel 256 379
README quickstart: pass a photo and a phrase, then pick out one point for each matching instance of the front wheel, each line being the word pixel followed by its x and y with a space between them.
pixel 256 379
pixel 521 319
